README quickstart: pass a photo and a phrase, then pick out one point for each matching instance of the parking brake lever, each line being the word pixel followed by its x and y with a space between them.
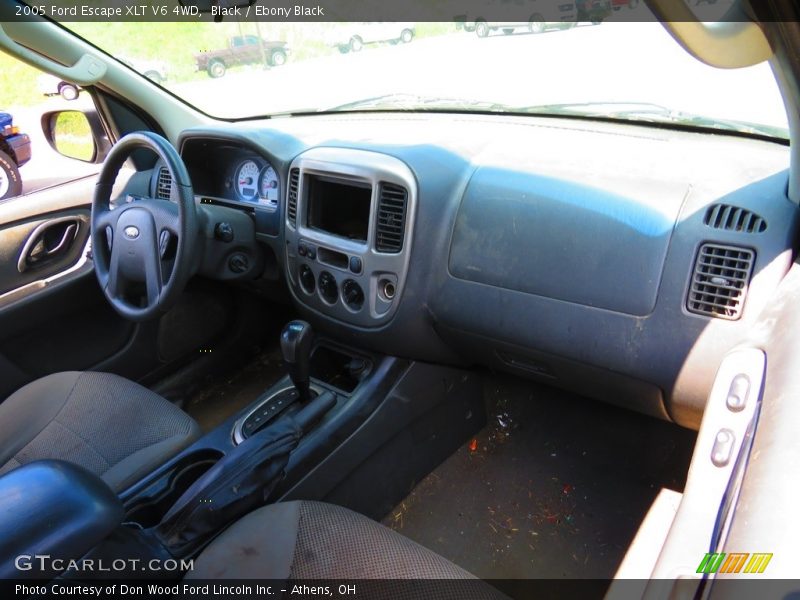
pixel 240 482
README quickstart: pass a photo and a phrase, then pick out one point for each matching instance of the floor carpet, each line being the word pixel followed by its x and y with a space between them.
pixel 554 487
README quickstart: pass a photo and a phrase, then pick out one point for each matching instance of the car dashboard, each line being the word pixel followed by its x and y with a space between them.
pixel 620 261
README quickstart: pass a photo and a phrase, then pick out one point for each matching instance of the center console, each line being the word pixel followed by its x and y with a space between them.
pixel 344 425
pixel 349 226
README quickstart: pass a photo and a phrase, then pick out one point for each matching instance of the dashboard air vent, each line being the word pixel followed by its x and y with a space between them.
pixel 719 282
pixel 291 204
pixel 391 218
pixel 733 218
pixel 164 184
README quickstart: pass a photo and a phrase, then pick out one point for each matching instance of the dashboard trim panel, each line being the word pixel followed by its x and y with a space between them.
pixel 378 269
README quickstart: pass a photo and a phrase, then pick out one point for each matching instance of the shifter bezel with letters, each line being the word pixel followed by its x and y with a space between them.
pixel 347 278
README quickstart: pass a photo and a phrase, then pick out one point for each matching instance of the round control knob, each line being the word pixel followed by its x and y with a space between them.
pixel 352 294
pixel 307 280
pixel 327 287
pixel 223 232
pixel 238 263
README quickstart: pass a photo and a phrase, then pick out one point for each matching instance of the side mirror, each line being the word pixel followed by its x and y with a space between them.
pixel 76 134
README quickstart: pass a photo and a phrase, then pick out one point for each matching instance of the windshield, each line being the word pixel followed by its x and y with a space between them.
pixel 623 70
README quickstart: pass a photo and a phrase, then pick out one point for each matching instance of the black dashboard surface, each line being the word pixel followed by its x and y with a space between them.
pixel 558 249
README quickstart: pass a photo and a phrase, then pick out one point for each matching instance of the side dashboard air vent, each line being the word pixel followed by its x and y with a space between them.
pixel 164 184
pixel 291 204
pixel 719 282
pixel 734 218
pixel 391 229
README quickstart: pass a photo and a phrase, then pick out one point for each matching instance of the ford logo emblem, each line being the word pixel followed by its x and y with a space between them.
pixel 131 232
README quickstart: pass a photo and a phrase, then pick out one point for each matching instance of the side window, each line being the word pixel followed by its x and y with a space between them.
pixel 46 138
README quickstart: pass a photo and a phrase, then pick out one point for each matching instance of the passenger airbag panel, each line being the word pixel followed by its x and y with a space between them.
pixel 562 240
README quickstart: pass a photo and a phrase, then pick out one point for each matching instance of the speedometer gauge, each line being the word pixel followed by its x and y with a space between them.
pixel 247 180
pixel 268 187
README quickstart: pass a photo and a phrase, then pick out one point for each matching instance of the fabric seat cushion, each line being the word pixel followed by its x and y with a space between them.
pixel 112 426
pixel 303 540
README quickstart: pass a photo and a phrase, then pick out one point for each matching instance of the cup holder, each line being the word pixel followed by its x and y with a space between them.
pixel 152 504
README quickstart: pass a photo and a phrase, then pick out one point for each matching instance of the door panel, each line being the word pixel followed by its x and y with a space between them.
pixel 71 328
pixel 26 220
pixel 53 315
pixel 39 248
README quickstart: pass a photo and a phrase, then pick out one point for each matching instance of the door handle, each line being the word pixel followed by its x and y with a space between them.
pixel 48 241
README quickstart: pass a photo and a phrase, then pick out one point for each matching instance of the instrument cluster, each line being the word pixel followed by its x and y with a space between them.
pixel 254 180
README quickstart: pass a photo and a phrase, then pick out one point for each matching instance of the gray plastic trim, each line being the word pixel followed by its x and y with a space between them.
pixel 81 266
pixel 364 167
pixel 33 238
pixel 692 533
pixel 238 436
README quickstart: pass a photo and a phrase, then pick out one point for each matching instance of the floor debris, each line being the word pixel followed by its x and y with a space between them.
pixel 585 505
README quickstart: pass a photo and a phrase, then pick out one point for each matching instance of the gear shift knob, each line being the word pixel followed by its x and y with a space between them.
pixel 296 340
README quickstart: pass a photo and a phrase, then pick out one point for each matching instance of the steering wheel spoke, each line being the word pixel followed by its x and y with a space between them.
pixel 153 281
pixel 106 218
pixel 166 217
pixel 110 281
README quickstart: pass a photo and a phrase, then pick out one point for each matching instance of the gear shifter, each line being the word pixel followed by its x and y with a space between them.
pixel 296 340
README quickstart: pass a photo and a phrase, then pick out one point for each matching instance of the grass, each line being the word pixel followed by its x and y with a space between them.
pixel 80 148
pixel 176 47
pixel 73 136
pixel 18 85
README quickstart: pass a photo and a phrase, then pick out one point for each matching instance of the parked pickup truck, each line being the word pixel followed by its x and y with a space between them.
pixel 15 151
pixel 241 50
pixel 354 36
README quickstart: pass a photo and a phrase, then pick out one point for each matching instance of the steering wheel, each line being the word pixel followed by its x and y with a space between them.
pixel 144 250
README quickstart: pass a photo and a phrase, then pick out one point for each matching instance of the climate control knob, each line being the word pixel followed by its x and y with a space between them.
pixel 307 280
pixel 328 288
pixel 352 294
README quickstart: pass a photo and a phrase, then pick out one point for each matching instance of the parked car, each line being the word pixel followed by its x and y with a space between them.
pixel 155 70
pixel 354 36
pixel 53 86
pixel 618 4
pixel 242 50
pixel 50 85
pixel 542 17
pixel 15 151
pixel 536 25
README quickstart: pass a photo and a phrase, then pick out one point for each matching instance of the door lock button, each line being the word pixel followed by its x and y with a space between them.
pixel 722 450
pixel 738 393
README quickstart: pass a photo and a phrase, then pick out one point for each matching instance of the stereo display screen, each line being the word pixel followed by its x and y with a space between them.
pixel 338 208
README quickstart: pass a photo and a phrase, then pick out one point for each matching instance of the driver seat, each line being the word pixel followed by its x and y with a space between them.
pixel 109 425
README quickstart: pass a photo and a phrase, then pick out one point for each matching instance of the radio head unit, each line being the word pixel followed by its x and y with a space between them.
pixel 337 207
pixel 349 226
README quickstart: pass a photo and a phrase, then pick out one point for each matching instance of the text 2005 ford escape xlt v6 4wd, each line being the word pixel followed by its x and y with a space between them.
pixel 469 317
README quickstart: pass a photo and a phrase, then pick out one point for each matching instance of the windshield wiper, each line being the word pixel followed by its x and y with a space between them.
pixel 395 102
pixel 415 102
pixel 642 112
